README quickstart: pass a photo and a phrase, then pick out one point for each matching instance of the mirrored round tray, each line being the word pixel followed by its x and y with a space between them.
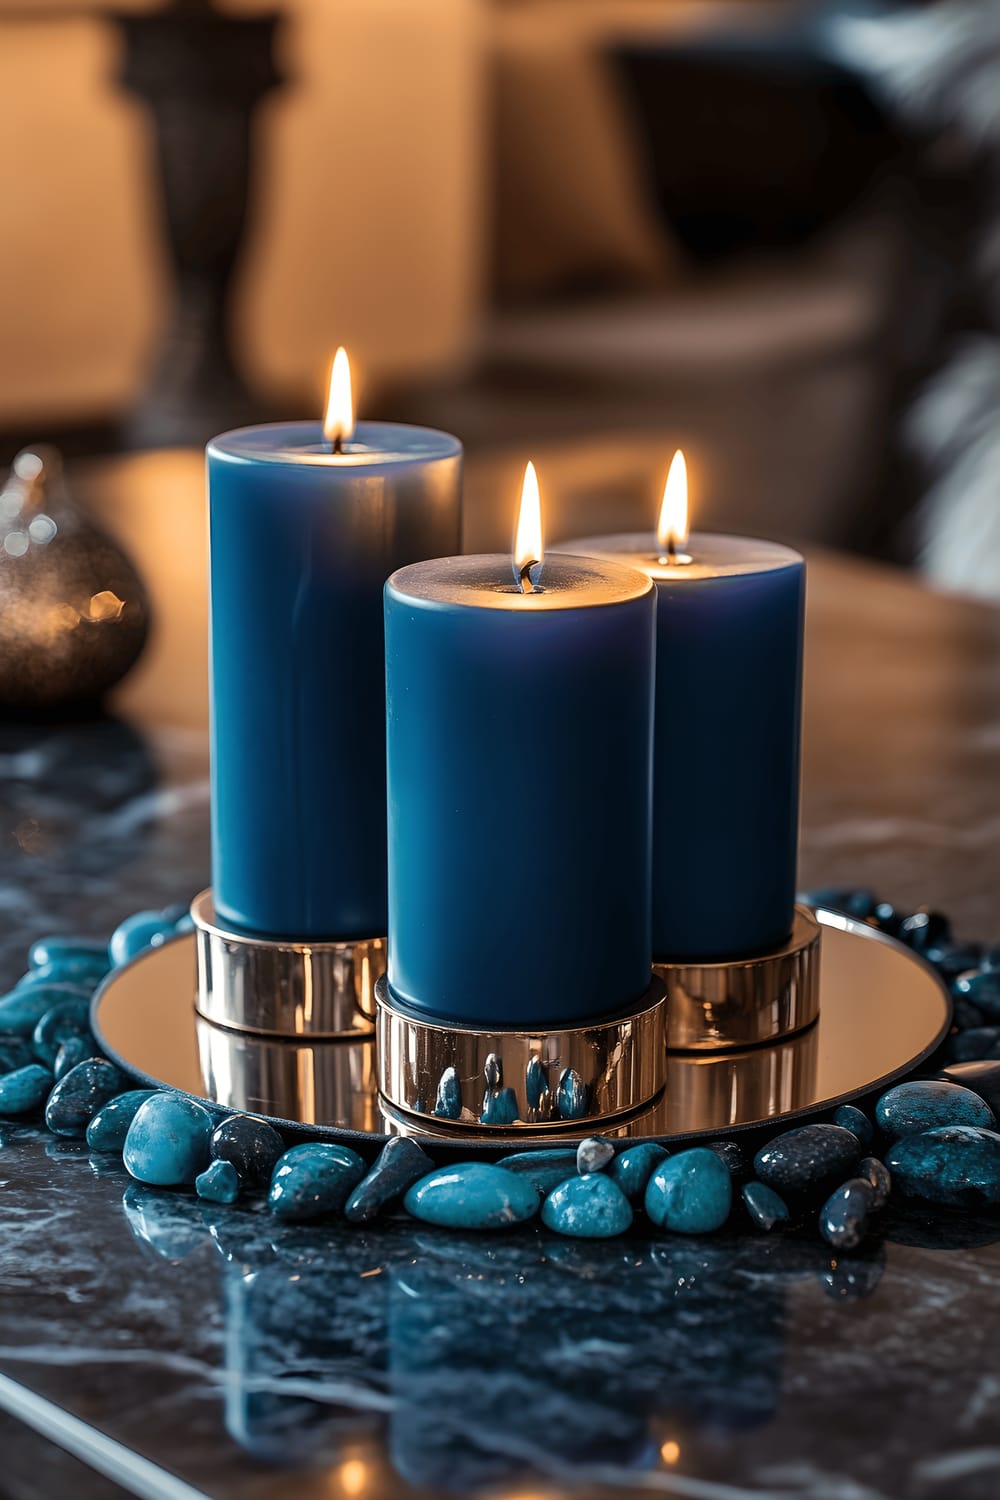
pixel 882 1010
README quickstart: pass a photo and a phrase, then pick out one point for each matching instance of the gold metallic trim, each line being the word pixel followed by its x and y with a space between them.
pixel 284 988
pixel 742 1002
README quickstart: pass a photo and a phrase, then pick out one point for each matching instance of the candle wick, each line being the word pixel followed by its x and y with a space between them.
pixel 524 582
pixel 337 445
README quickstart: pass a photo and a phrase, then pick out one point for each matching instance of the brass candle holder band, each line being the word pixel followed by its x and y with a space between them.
pixel 275 987
pixel 499 1080
pixel 742 1002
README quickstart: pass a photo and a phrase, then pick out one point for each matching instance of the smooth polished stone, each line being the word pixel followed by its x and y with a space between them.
pixel 70 1018
pixel 448 1101
pixel 15 1052
pixel 878 1177
pixel 731 1155
pixel 954 1164
pixel 219 1183
pixel 24 1089
pixel 75 1100
pixel 925 929
pixel 807 1160
pixel 571 1096
pixel 982 990
pixel 594 1153
pixel 167 1141
pixel 109 1127
pixel 73 1051
pixel 965 1015
pixel 633 1167
pixel 472 1195
pixel 91 954
pixel 145 929
pixel 690 1193
pixel 849 1117
pixel 764 1205
pixel 314 1179
pixel 543 1169
pixel 499 1107
pixel 86 972
pixel 589 1206
pixel 953 959
pixel 923 1104
pixel 252 1145
pixel 974 1045
pixel 843 1219
pixel 23 1008
pixel 399 1164
pixel 982 1077
pixel 854 901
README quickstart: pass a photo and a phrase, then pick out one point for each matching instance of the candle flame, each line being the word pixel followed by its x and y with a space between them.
pixel 338 425
pixel 528 549
pixel 672 527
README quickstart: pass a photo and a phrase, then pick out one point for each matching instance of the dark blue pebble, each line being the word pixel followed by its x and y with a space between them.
pixel 887 917
pixel 145 929
pixel 70 1018
pixel 925 929
pixel 543 1169
pixel 731 1155
pixel 109 1127
pixel 397 1167
pixel 855 901
pixel 879 1179
pixel 925 1103
pixel 953 959
pixel 252 1146
pixel 314 1179
pixel 634 1166
pixel 975 1044
pixel 690 1193
pixel 76 1098
pixel 15 1053
pixel 983 1078
pixel 90 953
pixel 981 990
pixel 808 1160
pixel 571 1096
pixel 589 1206
pixel 74 1050
pixel 843 1219
pixel 965 1015
pixel 448 1102
pixel 219 1183
pixel 472 1195
pixel 764 1205
pixel 23 1008
pixel 499 1107
pixel 167 1141
pixel 954 1164
pixel 848 1117
pixel 24 1089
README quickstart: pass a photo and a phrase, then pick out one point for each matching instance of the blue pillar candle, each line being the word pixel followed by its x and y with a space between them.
pixel 519 772
pixel 728 712
pixel 301 542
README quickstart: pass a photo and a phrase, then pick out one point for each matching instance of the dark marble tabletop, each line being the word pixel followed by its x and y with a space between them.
pixel 177 1350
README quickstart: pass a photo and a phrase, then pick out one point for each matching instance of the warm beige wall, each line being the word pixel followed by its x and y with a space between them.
pixel 367 217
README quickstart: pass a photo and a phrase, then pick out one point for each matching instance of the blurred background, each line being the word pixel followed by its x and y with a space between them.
pixel 587 231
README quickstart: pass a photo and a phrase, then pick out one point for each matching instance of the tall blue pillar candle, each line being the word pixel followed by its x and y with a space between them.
pixel 726 762
pixel 520 780
pixel 302 540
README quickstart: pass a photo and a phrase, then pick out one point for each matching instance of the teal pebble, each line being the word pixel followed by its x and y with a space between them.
pixel 398 1166
pixel 849 1117
pixel 70 1018
pixel 571 1096
pixel 146 929
pixel 219 1183
pixel 75 1100
pixel 587 1207
pixel 925 1104
pixel 74 1050
pixel 690 1193
pixel 167 1141
pixel 472 1195
pixel 314 1179
pixel 88 953
pixel 543 1169
pixel 23 1008
pixel 86 972
pixel 109 1127
pixel 448 1102
pixel 843 1219
pixel 15 1053
pixel 766 1207
pixel 633 1168
pixel 24 1089
pixel 878 1178
pixel 954 1164
pixel 499 1107
pixel 982 989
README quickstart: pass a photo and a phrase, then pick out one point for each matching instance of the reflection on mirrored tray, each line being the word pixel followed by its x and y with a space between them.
pixel 880 1011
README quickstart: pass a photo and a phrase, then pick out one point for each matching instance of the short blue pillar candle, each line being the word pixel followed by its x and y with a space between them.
pixel 726 765
pixel 302 540
pixel 519 774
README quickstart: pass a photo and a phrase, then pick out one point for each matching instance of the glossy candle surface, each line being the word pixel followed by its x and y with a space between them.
pixel 726 762
pixel 519 771
pixel 301 542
